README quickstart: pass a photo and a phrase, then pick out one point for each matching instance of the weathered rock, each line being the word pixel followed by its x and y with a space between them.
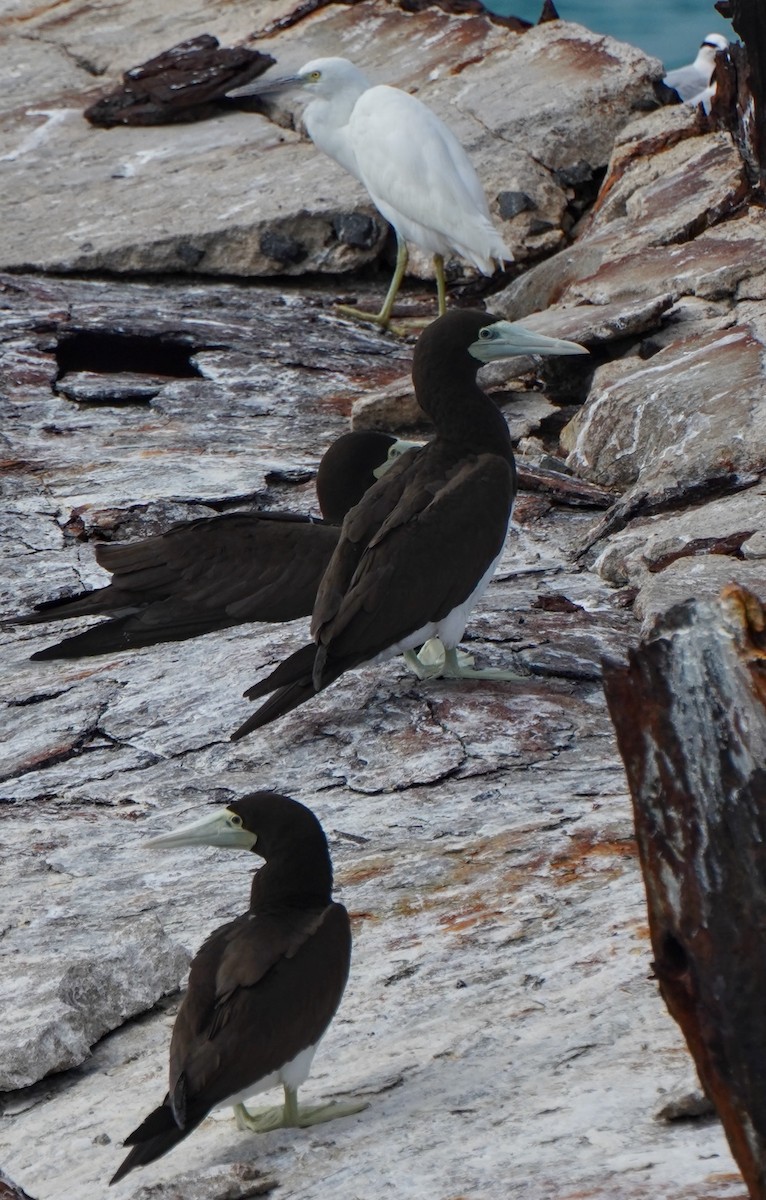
pixel 182 83
pixel 724 538
pixel 238 195
pixel 100 973
pixel 667 183
pixel 693 411
pixel 480 833
pixel 239 1181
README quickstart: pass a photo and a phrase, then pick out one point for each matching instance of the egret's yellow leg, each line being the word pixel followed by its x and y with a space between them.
pixel 441 284
pixel 383 318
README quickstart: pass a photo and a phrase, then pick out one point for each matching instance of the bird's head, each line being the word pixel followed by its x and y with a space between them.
pixel 496 338
pixel 486 338
pixel 330 77
pixel 264 822
pixel 712 44
pixel 324 78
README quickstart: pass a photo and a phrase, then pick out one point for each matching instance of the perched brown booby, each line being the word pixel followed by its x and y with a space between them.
pixel 419 549
pixel 263 988
pixel 220 571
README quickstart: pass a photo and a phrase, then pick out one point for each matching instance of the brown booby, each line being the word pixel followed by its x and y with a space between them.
pixel 220 571
pixel 419 549
pixel 263 988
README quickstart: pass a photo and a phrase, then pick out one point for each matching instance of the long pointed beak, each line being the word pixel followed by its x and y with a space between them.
pixel 223 828
pixel 268 87
pixel 505 339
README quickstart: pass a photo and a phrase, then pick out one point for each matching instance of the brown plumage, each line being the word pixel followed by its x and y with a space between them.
pixel 415 549
pixel 264 987
pixel 219 571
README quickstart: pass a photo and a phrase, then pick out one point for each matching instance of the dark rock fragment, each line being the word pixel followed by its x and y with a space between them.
pixel 188 82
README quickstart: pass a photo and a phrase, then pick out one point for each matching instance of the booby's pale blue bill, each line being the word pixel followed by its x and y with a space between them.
pixel 505 339
pixel 223 828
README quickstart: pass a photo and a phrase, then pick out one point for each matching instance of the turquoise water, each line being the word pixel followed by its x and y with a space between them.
pixel 670 29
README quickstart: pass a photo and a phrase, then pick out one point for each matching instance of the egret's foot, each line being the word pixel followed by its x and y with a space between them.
pixel 429 661
pixel 381 319
pixel 265 1120
pixel 454 669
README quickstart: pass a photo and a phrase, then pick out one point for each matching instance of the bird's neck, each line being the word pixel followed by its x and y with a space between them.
pixel 299 877
pixel 326 119
pixel 458 407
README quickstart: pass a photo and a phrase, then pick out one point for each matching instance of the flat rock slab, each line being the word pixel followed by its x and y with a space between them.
pixel 238 195
pixel 500 1016
pixel 693 411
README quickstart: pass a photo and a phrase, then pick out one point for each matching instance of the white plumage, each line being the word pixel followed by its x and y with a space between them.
pixel 692 82
pixel 414 168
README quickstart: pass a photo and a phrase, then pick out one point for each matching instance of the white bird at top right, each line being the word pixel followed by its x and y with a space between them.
pixel 693 82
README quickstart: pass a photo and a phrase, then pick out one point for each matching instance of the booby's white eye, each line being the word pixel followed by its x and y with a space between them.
pixel 486 333
pixel 235 820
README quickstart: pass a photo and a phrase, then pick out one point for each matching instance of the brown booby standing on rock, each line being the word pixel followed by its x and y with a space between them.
pixel 220 571
pixel 418 551
pixel 263 988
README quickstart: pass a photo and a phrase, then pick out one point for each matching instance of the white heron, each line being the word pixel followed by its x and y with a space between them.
pixel 692 82
pixel 417 173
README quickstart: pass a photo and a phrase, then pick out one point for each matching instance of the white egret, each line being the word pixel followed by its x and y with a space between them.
pixel 692 82
pixel 417 173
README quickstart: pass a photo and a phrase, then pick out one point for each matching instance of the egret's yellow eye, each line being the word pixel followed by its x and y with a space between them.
pixel 315 75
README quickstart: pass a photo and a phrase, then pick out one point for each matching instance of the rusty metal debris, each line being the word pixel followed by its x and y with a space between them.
pixel 690 715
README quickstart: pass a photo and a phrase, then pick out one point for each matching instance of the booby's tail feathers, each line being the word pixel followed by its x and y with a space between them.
pixel 298 666
pixel 291 684
pixel 283 701
pixel 154 1136
pixel 83 604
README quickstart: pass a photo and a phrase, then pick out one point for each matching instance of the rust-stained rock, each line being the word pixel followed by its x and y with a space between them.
pixel 643 238
pixel 691 725
pixel 689 554
pixel 10 1190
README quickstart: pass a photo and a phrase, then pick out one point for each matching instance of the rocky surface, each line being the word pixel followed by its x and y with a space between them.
pixel 240 195
pixel 500 1017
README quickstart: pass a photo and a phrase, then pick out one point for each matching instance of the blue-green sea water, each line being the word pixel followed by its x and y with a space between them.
pixel 670 29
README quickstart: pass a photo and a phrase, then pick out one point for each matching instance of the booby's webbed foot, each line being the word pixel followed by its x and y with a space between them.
pixel 262 1121
pixel 429 661
pixel 292 1115
pixel 454 669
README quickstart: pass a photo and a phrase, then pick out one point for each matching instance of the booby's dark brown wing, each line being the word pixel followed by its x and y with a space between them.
pixel 208 574
pixel 401 563
pixel 261 989
pixel 429 553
